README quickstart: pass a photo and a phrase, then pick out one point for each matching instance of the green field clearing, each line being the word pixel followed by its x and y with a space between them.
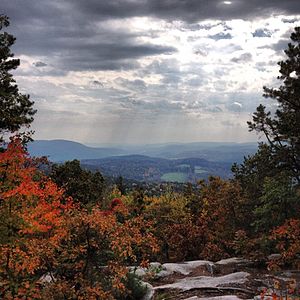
pixel 183 166
pixel 174 177
pixel 199 170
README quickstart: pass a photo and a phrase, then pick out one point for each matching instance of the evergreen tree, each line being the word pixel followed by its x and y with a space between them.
pixel 270 179
pixel 282 129
pixel 82 185
pixel 15 108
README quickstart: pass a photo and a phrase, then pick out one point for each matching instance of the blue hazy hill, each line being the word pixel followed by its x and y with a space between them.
pixel 159 162
pixel 62 150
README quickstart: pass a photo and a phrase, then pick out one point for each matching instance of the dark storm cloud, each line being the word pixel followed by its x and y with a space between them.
pixel 69 31
pixel 72 37
pixel 190 10
pixel 109 56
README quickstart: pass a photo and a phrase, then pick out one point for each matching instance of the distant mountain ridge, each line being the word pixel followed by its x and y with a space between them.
pixel 150 163
pixel 62 150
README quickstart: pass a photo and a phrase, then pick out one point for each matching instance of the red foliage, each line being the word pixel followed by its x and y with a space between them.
pixel 31 214
pixel 287 238
pixel 42 232
pixel 116 202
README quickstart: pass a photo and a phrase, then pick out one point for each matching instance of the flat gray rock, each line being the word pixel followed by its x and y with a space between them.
pixel 184 268
pixel 233 260
pixel 228 297
pixel 190 283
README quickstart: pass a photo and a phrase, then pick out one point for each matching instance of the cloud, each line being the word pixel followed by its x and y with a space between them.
pixel 80 41
pixel 215 109
pixel 133 66
pixel 245 57
pixel 97 83
pixel 282 42
pixel 95 35
pixel 133 85
pixel 238 104
pixel 280 45
pixel 221 36
pixel 109 56
pixel 229 123
pixel 234 107
pixel 199 10
pixel 290 20
pixel 201 52
pixel 261 32
pixel 39 64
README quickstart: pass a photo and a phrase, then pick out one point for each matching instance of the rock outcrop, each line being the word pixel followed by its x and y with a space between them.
pixel 227 279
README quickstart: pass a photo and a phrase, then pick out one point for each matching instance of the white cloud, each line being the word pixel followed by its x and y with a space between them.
pixel 192 94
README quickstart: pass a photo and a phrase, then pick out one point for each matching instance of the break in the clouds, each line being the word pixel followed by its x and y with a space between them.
pixel 145 71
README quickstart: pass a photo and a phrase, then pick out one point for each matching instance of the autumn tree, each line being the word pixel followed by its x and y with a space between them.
pixel 31 215
pixel 84 253
pixel 16 109
pixel 220 216
pixel 173 226
pixel 287 238
pixel 95 252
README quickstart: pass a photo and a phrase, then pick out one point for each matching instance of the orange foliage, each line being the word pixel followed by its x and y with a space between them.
pixel 287 238
pixel 197 226
pixel 31 214
pixel 179 238
pixel 97 247
pixel 84 253
pixel 219 217
pixel 185 241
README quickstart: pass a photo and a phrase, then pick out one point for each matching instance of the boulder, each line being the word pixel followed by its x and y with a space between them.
pixel 202 282
pixel 150 291
pixel 233 261
pixel 228 297
pixel 184 268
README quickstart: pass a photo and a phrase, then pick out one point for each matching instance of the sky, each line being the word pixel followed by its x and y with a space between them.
pixel 148 71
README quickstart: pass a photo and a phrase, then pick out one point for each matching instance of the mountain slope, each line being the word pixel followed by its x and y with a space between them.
pixel 62 150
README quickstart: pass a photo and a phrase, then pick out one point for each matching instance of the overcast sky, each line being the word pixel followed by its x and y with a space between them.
pixel 148 71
